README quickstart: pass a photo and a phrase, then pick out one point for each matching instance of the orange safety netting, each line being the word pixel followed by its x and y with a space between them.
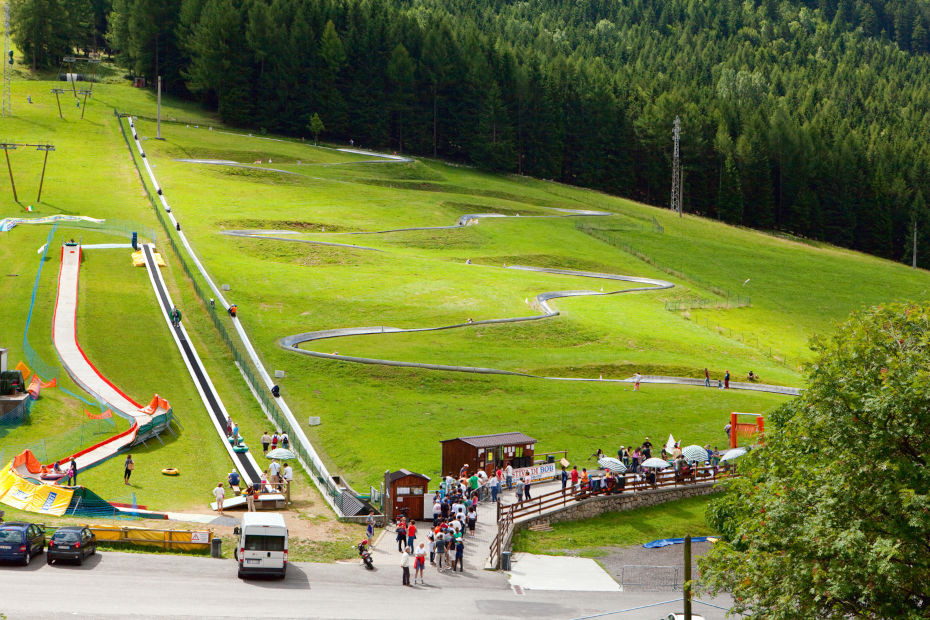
pixel 35 386
pixel 98 416
pixel 23 369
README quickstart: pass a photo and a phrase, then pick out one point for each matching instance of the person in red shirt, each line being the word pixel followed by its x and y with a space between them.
pixel 411 534
pixel 574 475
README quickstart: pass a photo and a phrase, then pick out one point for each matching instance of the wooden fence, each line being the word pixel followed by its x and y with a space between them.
pixel 628 483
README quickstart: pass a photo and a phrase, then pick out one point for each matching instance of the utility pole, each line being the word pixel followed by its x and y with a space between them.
pixel 158 115
pixel 46 148
pixel 686 590
pixel 6 109
pixel 676 169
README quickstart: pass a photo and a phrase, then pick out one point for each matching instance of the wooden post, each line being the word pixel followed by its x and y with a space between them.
pixel 6 151
pixel 687 584
pixel 42 178
pixel 60 115
pixel 84 105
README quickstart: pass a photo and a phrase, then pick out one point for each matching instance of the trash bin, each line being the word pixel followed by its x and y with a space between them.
pixel 505 560
pixel 216 548
pixel 550 458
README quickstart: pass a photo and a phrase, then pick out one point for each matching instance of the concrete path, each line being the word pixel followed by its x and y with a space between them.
pixel 560 572
pixel 178 587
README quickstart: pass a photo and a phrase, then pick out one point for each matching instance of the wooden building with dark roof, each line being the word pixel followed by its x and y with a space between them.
pixel 406 492
pixel 486 452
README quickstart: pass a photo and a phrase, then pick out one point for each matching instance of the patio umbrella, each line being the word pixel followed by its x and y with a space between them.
pixel 694 453
pixel 611 464
pixel 281 454
pixel 656 463
pixel 735 453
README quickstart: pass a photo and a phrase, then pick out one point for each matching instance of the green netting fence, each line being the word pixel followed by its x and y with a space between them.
pixel 56 447
pixel 259 389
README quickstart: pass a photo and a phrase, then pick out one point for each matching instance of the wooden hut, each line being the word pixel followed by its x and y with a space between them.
pixel 405 492
pixel 486 452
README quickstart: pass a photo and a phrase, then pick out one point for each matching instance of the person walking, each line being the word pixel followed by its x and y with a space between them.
pixel 574 476
pixel 726 380
pixel 405 565
pixel 266 441
pixel 274 440
pixel 459 556
pixel 495 484
pixel 285 441
pixel 636 379
pixel 401 534
pixel 706 378
pixel 72 473
pixel 564 476
pixel 527 482
pixel 220 494
pixel 508 474
pixel 441 547
pixel 411 534
pixel 128 468
pixel 370 525
pixel 472 520
pixel 519 490
pixel 419 563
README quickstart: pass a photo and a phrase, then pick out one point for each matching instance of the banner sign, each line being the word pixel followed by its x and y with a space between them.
pixel 537 473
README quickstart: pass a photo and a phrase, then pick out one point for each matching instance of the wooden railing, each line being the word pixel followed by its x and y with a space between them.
pixel 503 537
pixel 628 483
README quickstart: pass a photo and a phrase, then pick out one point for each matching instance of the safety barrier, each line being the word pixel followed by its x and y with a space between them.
pixel 17 415
pixel 561 498
pixel 188 540
pixel 259 389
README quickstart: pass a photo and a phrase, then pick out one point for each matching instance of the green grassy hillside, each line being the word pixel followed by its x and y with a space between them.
pixel 376 417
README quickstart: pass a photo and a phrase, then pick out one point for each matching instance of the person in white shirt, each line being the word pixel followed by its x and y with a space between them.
pixel 405 565
pixel 273 471
pixel 220 494
pixel 508 475
pixel 437 512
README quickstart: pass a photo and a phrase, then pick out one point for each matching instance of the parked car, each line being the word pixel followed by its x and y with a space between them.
pixel 71 543
pixel 20 541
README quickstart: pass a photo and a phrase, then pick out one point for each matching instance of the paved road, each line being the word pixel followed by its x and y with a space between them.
pixel 121 585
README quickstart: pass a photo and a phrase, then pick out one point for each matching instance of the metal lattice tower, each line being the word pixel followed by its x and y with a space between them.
pixel 676 169
pixel 7 106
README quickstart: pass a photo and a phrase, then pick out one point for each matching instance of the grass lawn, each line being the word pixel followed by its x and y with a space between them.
pixel 375 418
pixel 619 529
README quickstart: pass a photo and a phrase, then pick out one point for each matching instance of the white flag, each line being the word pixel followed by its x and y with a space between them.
pixel 670 444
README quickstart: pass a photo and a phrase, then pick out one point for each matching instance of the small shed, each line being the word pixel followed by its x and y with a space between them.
pixel 486 452
pixel 405 493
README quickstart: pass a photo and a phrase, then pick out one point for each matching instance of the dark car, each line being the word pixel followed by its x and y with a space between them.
pixel 71 543
pixel 20 541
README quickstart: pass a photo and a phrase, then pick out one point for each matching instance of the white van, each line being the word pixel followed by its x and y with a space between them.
pixel 262 548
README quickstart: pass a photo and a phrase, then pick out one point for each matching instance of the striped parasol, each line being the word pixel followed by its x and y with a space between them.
pixel 611 464
pixel 656 463
pixel 694 454
pixel 735 453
